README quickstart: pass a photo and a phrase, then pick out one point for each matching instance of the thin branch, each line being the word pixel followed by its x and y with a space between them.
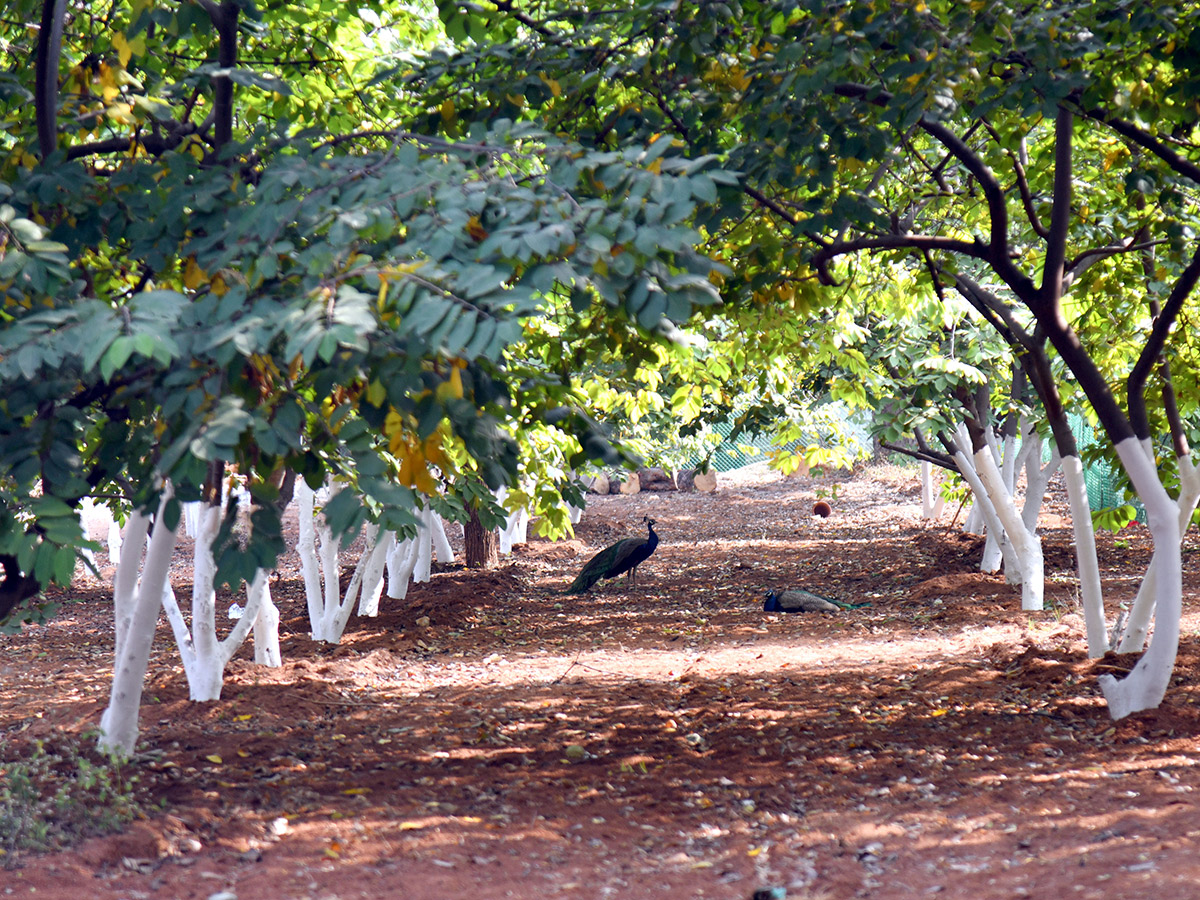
pixel 825 256
pixel 1022 186
pixel 1148 142
pixel 1136 384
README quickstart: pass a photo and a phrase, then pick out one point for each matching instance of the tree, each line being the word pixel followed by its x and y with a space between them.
pixel 203 279
pixel 950 135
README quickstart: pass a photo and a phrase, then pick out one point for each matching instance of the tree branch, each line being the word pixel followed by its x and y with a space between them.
pixel 49 53
pixel 828 252
pixel 1051 290
pixel 1148 142
pixel 1135 386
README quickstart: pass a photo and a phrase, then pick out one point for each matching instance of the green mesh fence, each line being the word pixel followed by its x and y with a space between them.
pixel 1099 476
pixel 731 455
pixel 749 449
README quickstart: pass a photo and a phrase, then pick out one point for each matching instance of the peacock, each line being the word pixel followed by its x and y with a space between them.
pixel 804 601
pixel 623 556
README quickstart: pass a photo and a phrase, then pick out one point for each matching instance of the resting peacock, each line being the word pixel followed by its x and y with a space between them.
pixel 804 601
pixel 623 556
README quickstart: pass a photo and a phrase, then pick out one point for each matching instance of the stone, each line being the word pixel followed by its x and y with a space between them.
pixel 657 479
pixel 595 484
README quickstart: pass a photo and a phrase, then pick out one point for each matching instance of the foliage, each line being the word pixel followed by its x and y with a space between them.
pixel 880 129
pixel 258 262
pixel 62 791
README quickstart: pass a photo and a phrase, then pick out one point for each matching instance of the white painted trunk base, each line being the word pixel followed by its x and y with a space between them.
pixel 1145 686
pixel 1091 591
pixel 136 604
pixel 932 501
pixel 203 654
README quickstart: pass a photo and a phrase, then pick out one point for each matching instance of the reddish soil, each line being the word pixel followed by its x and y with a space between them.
pixel 665 739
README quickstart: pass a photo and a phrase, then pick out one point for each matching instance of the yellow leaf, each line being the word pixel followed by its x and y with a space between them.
pixel 193 275
pixel 246 718
pixel 447 110
pixel 213 758
pixel 108 83
pixel 121 45
pixel 754 851
pixel 452 387
pixel 243 754
pixel 475 228
pixel 939 712
pixel 354 792
pixel 1170 47
pixel 121 112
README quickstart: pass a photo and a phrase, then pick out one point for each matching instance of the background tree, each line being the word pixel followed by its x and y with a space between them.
pixel 949 135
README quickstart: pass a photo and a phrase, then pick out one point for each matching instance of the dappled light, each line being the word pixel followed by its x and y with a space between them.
pixel 668 733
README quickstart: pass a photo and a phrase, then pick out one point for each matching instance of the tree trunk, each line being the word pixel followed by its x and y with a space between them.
pixel 136 606
pixel 482 546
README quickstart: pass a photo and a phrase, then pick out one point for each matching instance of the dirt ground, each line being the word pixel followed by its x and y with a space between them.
pixel 665 739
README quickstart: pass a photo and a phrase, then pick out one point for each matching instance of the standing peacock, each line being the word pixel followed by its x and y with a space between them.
pixel 623 556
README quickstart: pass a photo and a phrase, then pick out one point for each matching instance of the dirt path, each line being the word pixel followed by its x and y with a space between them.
pixel 663 739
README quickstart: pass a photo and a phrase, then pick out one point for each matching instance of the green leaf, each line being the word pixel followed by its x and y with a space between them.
pixel 116 356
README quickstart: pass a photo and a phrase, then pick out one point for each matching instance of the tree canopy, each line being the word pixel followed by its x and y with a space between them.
pixel 226 245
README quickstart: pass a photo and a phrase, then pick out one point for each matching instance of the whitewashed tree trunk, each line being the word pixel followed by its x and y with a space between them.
pixel 1091 591
pixel 1025 543
pixel 932 501
pixel 516 525
pixel 401 561
pixel 329 609
pixel 113 539
pixel 439 539
pixel 205 656
pixel 997 548
pixel 410 561
pixel 1006 459
pixel 192 512
pixel 1144 687
pixel 372 589
pixel 87 511
pixel 266 626
pixel 1037 476
pixel 975 521
pixel 136 606
pixel 1142 612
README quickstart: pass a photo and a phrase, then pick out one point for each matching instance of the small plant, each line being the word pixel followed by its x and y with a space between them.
pixel 60 792
pixel 830 493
